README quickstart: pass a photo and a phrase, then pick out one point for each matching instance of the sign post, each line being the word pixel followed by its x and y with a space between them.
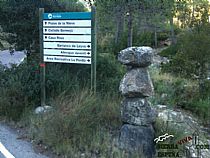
pixel 42 64
pixel 68 37
pixel 94 49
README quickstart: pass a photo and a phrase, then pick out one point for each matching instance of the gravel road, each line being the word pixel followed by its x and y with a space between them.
pixel 17 147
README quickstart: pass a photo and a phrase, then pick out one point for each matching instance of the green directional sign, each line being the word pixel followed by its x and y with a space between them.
pixel 70 31
pixel 67 37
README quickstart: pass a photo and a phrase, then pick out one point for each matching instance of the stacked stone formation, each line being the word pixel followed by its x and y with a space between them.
pixel 137 133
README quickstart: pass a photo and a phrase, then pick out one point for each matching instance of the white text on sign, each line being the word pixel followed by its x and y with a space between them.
pixel 67 52
pixel 69 23
pixel 62 45
pixel 62 59
pixel 66 38
pixel 67 31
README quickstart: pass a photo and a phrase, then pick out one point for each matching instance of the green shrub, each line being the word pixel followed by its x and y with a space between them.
pixel 181 93
pixel 109 74
pixel 144 39
pixel 20 88
pixel 206 90
pixel 162 36
pixel 65 77
pixel 169 52
pixel 76 121
pixel 201 107
pixel 173 91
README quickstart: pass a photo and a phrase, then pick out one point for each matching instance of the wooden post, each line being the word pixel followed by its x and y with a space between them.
pixel 42 64
pixel 94 49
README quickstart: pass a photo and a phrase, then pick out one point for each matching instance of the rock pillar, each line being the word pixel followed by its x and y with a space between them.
pixel 137 133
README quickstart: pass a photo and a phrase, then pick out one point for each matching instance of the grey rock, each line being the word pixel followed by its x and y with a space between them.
pixel 187 124
pixel 137 138
pixel 137 111
pixel 136 83
pixel 43 109
pixel 136 56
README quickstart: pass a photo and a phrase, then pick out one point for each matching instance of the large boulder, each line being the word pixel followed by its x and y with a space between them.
pixel 137 83
pixel 137 138
pixel 136 56
pixel 137 111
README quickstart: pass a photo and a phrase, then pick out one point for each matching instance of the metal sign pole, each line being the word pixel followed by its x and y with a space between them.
pixel 42 64
pixel 94 49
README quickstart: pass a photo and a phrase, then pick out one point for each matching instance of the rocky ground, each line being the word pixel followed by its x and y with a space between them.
pixel 189 126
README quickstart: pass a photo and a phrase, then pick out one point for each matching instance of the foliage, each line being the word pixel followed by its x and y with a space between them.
pixel 19 90
pixel 169 52
pixel 144 39
pixel 191 12
pixel 201 107
pixel 190 58
pixel 79 123
pixel 146 18
pixel 180 93
pixel 173 91
pixel 109 74
pixel 21 19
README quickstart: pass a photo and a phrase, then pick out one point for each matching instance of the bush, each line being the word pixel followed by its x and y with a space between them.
pixel 169 52
pixel 173 91
pixel 201 107
pixel 144 39
pixel 206 90
pixel 76 121
pixel 20 88
pixel 65 77
pixel 109 74
pixel 181 93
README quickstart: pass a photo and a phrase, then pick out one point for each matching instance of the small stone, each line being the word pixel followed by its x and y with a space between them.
pixel 136 56
pixel 43 109
pixel 137 111
pixel 137 138
pixel 136 83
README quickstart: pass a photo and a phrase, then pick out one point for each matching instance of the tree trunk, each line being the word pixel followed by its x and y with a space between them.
pixel 156 42
pixel 139 23
pixel 119 30
pixel 173 38
pixel 202 77
pixel 130 29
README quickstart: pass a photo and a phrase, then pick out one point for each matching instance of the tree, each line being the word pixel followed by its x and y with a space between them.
pixel 192 55
pixel 20 18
